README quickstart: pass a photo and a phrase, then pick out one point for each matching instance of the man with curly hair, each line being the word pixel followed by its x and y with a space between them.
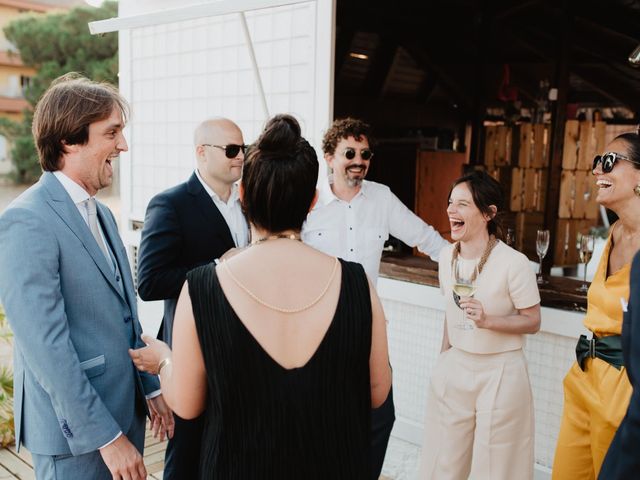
pixel 352 219
pixel 353 216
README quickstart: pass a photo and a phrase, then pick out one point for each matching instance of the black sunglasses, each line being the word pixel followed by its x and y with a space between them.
pixel 231 150
pixel 608 161
pixel 350 153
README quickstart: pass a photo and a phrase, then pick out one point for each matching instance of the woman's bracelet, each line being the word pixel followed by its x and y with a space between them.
pixel 163 363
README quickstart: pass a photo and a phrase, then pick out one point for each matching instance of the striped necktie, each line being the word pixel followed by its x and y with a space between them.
pixel 92 214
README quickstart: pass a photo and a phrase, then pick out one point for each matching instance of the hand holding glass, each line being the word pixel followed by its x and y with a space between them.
pixel 542 245
pixel 586 244
pixel 464 285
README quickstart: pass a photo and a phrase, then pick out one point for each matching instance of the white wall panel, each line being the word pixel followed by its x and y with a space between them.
pixel 177 74
pixel 182 73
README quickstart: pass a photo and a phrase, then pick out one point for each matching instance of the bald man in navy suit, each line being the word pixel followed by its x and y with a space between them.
pixel 187 226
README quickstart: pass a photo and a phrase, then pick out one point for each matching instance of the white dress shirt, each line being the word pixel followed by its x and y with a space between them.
pixel 79 196
pixel 356 230
pixel 231 211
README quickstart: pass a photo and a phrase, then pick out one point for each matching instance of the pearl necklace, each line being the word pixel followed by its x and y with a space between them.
pixel 282 309
pixel 290 236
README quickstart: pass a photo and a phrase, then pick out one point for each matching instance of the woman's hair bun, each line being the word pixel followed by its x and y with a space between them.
pixel 281 134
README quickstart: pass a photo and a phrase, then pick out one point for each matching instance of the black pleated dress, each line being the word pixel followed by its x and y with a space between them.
pixel 267 422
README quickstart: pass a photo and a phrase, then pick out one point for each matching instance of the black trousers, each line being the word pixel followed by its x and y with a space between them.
pixel 382 419
pixel 182 458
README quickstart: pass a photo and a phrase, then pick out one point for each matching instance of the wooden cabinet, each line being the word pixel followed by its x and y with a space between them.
pixel 435 172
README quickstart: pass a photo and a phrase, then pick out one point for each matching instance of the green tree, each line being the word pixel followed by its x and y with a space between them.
pixel 55 44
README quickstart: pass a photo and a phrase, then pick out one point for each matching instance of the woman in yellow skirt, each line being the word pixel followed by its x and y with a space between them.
pixel 596 389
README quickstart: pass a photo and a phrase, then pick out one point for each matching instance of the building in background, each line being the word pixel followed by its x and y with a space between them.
pixel 14 75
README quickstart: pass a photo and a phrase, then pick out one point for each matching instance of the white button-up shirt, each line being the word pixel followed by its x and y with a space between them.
pixel 231 211
pixel 78 196
pixel 356 230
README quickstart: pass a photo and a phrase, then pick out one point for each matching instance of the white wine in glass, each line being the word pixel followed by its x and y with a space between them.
pixel 464 285
pixel 585 255
pixel 542 245
pixel 463 290
pixel 585 249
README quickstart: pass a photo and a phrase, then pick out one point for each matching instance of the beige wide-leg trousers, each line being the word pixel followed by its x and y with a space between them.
pixel 479 419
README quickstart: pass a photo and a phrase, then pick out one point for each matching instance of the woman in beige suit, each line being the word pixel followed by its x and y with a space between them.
pixel 479 418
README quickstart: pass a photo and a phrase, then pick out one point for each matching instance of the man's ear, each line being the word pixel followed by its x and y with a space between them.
pixel 67 148
pixel 199 151
pixel 328 157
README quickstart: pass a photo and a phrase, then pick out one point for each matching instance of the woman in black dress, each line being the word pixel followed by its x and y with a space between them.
pixel 282 346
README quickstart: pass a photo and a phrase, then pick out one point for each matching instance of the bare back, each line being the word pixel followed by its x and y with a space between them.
pixel 281 275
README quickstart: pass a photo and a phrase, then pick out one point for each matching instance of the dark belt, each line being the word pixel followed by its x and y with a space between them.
pixel 608 349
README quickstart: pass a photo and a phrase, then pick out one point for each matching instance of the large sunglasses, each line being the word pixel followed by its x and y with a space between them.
pixel 350 153
pixel 230 151
pixel 608 161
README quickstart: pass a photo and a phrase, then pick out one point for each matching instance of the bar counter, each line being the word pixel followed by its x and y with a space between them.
pixel 557 292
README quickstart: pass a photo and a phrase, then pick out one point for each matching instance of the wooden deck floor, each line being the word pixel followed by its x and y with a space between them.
pixel 19 465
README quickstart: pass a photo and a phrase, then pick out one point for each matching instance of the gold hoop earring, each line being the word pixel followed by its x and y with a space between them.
pixel 637 190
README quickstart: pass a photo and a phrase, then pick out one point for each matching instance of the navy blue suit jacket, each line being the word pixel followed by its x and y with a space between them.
pixel 183 229
pixel 623 458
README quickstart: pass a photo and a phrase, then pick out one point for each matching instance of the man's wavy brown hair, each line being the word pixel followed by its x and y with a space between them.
pixel 65 111
pixel 345 128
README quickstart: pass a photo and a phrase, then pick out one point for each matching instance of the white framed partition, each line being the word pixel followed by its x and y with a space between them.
pixel 183 61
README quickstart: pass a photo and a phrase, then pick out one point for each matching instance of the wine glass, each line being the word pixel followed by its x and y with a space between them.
pixel 542 245
pixel 464 285
pixel 585 249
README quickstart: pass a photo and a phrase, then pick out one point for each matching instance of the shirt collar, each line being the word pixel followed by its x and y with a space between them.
pixel 75 191
pixel 327 196
pixel 234 190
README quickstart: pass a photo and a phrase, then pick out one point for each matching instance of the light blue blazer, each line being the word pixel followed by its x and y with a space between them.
pixel 75 386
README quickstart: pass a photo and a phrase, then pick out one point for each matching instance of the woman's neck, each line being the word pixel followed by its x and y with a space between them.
pixel 259 235
pixel 629 219
pixel 475 247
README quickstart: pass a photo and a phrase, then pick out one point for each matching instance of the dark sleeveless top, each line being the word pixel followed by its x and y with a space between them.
pixel 266 422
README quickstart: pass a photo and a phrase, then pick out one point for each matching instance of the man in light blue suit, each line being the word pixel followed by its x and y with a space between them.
pixel 66 286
